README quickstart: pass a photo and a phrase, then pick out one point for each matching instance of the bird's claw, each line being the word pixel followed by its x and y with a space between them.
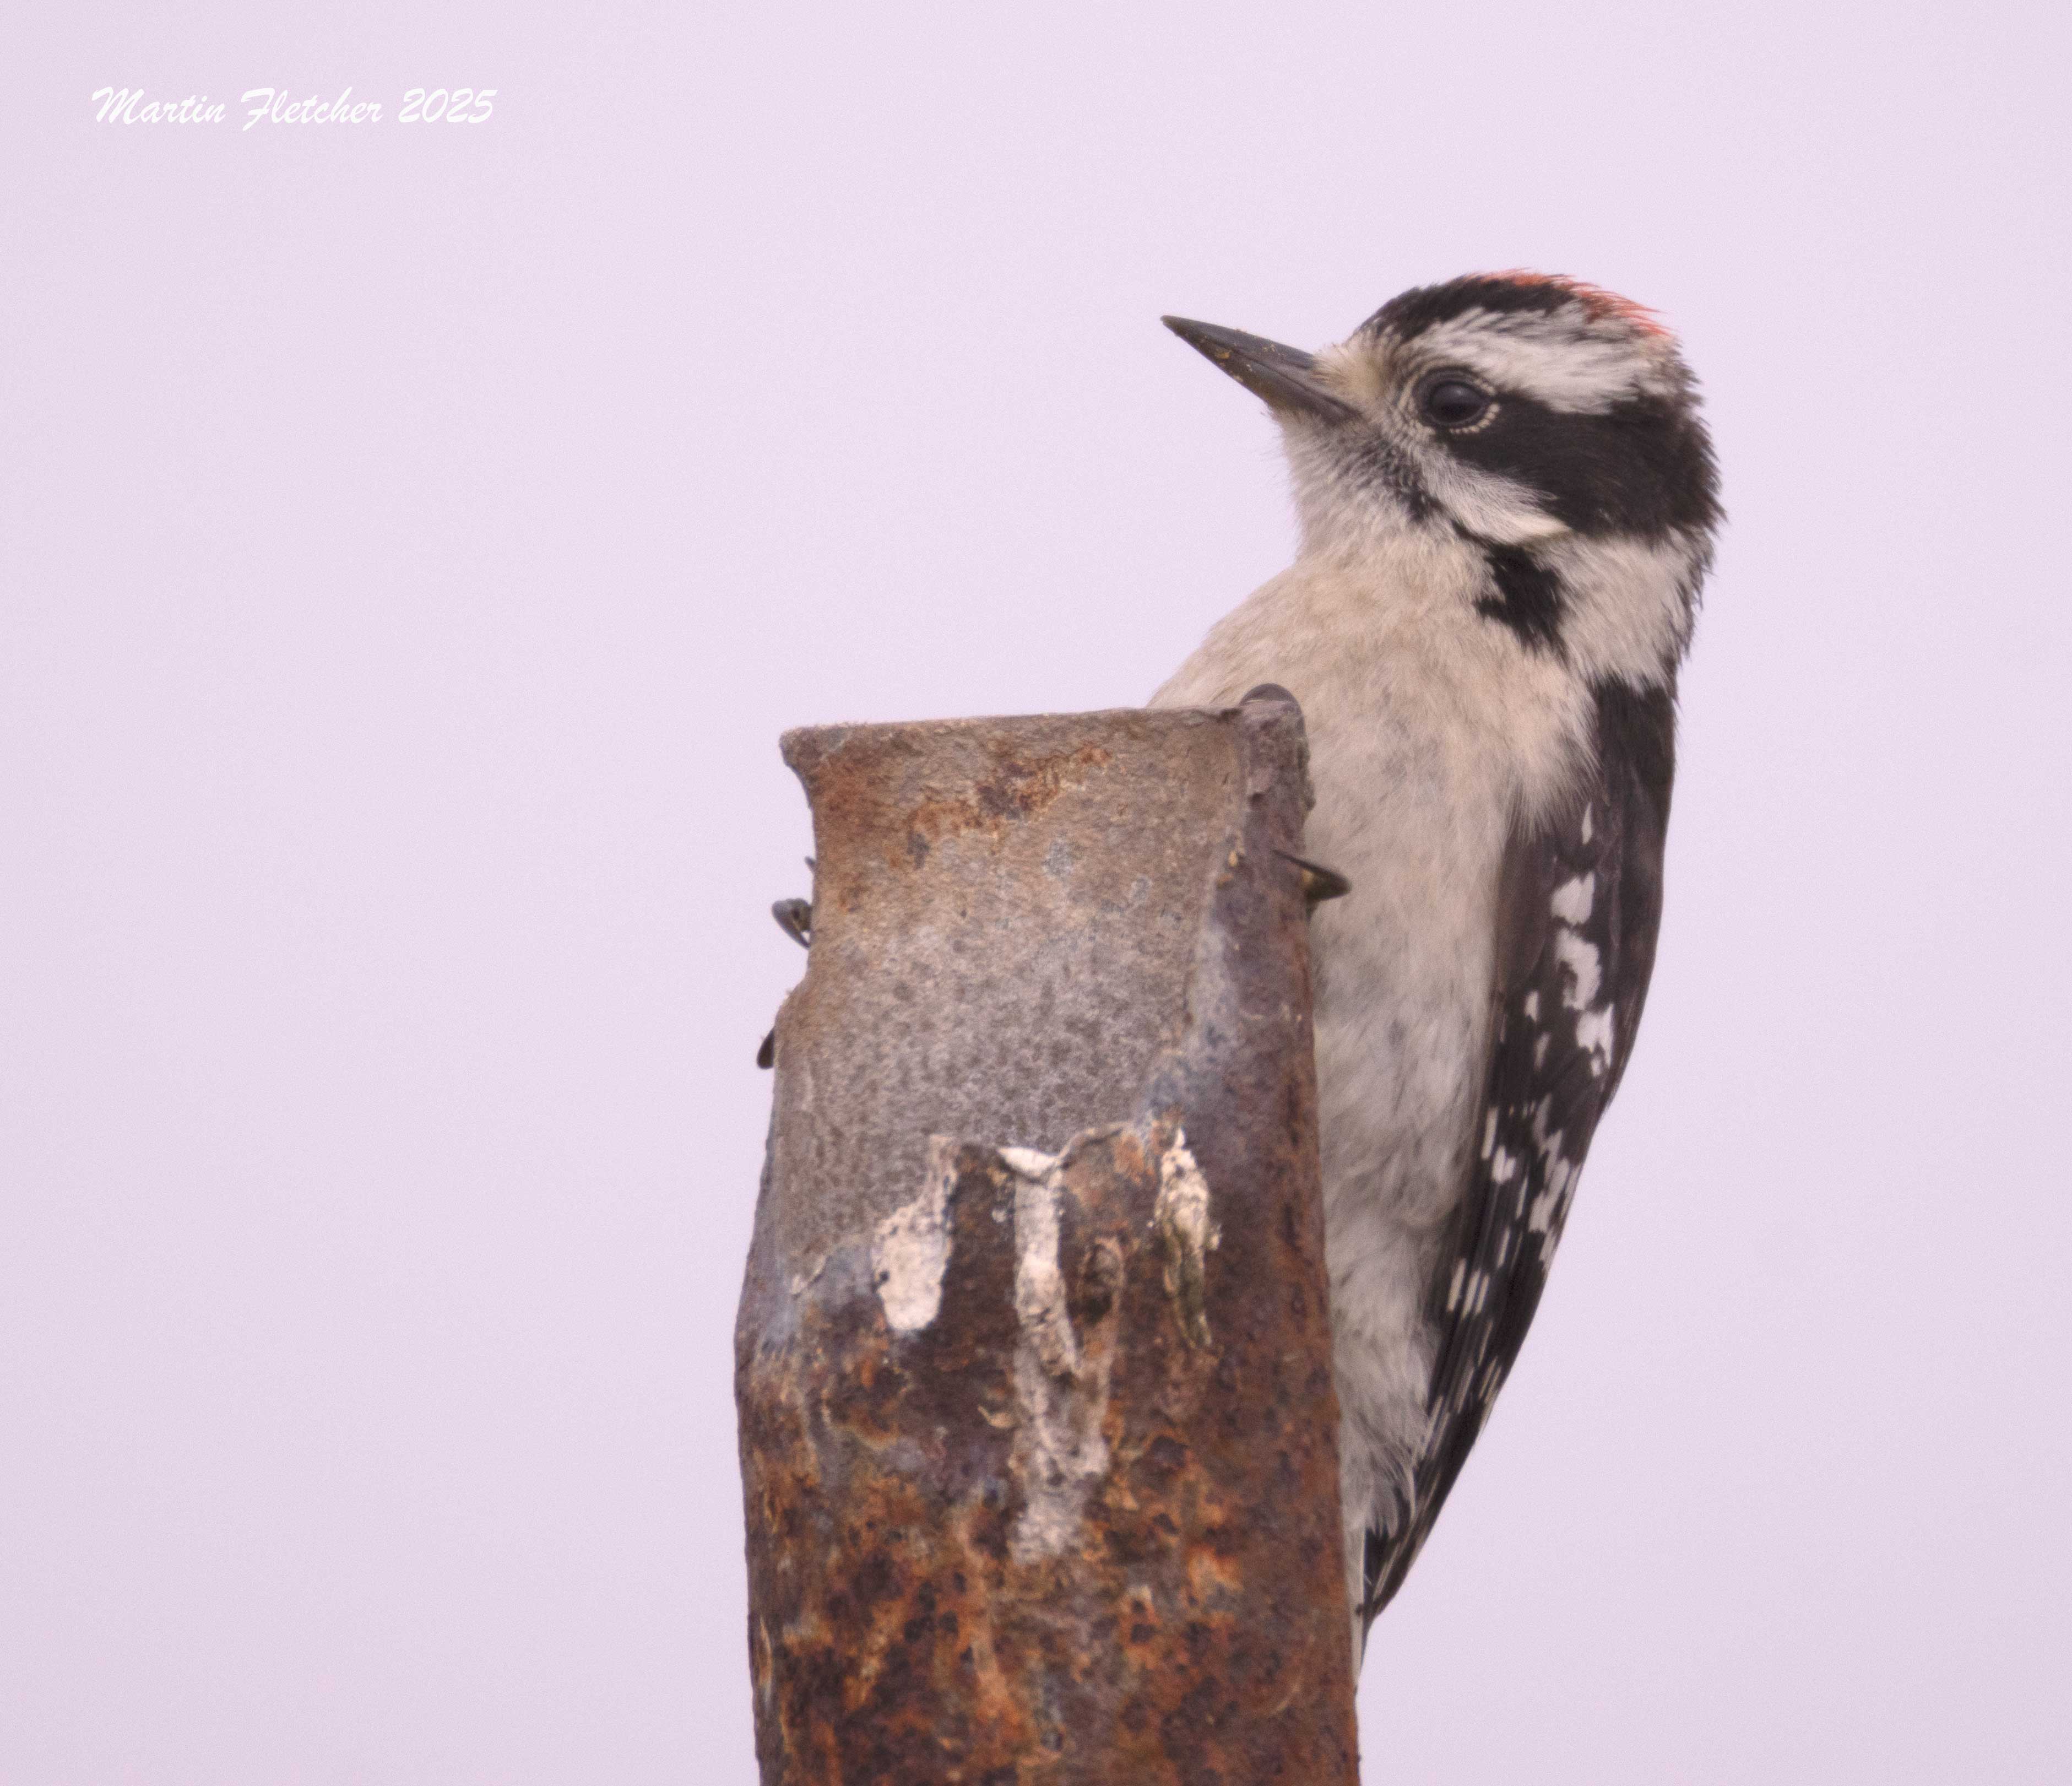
pixel 795 918
pixel 1319 884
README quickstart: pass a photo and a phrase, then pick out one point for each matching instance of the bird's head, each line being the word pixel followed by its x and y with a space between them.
pixel 1524 414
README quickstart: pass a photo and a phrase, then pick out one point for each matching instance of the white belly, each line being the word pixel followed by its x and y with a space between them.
pixel 1430 731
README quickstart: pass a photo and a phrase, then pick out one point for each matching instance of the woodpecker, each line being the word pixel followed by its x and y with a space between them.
pixel 1508 500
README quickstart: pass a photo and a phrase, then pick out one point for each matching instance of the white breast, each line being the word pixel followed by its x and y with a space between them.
pixel 1431 728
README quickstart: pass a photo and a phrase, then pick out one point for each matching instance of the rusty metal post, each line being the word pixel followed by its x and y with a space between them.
pixel 1038 1431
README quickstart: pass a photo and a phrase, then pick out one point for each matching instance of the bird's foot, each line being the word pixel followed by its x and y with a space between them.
pixel 1319 884
pixel 795 918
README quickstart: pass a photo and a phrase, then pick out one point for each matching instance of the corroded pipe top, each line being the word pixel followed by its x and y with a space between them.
pixel 1006 924
pixel 1037 1427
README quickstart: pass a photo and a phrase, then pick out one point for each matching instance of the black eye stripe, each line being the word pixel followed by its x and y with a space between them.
pixel 1643 466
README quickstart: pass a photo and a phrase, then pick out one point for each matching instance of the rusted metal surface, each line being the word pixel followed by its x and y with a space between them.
pixel 1038 1437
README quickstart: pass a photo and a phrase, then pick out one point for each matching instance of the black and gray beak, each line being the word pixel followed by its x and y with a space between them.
pixel 1285 376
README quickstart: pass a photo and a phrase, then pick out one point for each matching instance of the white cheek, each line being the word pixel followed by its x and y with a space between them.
pixel 1490 506
pixel 1337 492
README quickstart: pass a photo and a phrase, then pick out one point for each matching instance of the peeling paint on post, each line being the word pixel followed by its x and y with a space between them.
pixel 1038 1437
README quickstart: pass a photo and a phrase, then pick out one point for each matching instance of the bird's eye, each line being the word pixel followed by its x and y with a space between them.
pixel 1449 401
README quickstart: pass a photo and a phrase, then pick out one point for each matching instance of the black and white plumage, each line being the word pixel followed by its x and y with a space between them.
pixel 1578 906
pixel 1507 501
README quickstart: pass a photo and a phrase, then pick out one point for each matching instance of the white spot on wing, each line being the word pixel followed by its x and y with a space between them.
pixel 1593 1030
pixel 1573 899
pixel 1579 956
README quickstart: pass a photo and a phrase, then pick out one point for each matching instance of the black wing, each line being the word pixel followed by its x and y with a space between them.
pixel 1579 901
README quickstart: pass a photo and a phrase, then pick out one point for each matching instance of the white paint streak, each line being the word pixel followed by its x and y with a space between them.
pixel 1181 1218
pixel 1026 1163
pixel 1039 1286
pixel 911 1250
pixel 1061 1388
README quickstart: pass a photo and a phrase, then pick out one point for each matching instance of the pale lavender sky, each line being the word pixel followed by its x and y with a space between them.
pixel 413 539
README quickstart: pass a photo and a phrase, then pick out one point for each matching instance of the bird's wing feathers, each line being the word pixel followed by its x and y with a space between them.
pixel 1577 910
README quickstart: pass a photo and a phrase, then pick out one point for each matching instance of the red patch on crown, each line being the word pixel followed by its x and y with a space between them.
pixel 1596 300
